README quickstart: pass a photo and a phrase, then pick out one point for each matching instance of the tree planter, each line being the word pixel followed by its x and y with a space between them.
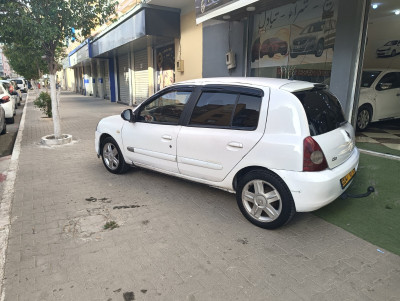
pixel 51 140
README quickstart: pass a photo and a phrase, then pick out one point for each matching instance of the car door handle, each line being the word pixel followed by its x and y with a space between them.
pixel 235 144
pixel 166 137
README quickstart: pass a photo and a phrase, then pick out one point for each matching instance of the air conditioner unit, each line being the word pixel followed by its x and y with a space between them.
pixel 230 60
pixel 179 65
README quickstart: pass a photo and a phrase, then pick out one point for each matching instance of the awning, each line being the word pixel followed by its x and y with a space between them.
pixel 208 9
pixel 142 22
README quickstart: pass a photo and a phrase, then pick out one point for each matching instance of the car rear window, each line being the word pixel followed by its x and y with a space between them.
pixel 18 81
pixel 323 110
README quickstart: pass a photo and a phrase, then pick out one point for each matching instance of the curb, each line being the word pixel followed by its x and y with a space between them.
pixel 7 197
pixel 381 155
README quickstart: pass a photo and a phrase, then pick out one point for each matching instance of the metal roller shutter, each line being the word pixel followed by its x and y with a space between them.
pixel 141 76
pixel 107 92
pixel 123 78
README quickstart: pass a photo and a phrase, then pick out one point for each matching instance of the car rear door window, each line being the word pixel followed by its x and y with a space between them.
pixel 323 110
pixel 226 110
pixel 166 108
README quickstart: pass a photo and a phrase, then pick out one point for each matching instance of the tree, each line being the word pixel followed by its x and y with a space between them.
pixel 46 24
pixel 26 60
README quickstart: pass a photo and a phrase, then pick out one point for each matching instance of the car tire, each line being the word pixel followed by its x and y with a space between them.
pixel 364 117
pixel 293 55
pixel 10 120
pixel 264 199
pixel 112 157
pixel 393 52
pixel 320 48
pixel 4 128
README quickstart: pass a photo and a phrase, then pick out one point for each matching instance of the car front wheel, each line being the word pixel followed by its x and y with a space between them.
pixel 264 199
pixel 320 48
pixel 112 156
pixel 393 52
pixel 363 117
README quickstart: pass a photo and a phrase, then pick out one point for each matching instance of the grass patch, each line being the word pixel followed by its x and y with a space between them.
pixel 377 147
pixel 376 217
pixel 110 225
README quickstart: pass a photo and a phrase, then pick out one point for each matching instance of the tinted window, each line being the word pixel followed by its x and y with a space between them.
pixel 18 81
pixel 167 108
pixel 247 112
pixel 323 110
pixel 392 78
pixel 234 110
pixel 368 78
pixel 214 109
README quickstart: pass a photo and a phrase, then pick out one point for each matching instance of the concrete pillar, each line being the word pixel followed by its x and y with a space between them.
pixel 348 53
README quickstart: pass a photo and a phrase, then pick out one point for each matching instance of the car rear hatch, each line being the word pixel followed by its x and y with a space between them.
pixel 327 124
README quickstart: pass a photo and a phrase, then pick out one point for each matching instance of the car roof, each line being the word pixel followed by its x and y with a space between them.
pixel 274 83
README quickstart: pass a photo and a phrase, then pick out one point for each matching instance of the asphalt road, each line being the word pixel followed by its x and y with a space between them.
pixel 7 140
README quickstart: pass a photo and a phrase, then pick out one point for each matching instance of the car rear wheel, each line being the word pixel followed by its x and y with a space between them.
pixel 10 120
pixel 112 156
pixel 363 117
pixel 264 199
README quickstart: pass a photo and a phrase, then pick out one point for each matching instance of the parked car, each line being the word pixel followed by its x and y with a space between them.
pixel 7 100
pixel 282 146
pixel 15 90
pixel 379 96
pixel 3 124
pixel 390 48
pixel 314 38
pixel 21 84
pixel 272 46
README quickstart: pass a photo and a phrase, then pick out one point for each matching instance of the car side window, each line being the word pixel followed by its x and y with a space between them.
pixel 390 80
pixel 226 110
pixel 166 108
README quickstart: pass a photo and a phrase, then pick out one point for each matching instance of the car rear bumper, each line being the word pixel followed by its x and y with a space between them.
pixel 8 109
pixel 313 190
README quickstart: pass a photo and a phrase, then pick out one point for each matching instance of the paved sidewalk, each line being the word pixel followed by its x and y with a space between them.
pixel 176 240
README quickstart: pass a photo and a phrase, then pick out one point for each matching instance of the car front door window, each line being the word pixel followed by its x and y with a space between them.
pixel 165 109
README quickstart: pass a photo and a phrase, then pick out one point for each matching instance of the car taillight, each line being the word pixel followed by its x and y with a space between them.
pixel 5 99
pixel 313 156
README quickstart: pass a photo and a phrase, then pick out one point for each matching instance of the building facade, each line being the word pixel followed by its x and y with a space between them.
pixel 157 43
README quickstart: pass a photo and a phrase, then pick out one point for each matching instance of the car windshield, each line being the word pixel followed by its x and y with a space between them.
pixel 18 81
pixel 315 27
pixel 368 78
pixel 323 110
pixel 391 43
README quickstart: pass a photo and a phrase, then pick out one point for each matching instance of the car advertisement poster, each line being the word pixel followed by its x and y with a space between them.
pixel 307 28
pixel 383 44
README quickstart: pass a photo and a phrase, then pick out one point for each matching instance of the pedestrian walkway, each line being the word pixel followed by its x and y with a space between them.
pixel 173 239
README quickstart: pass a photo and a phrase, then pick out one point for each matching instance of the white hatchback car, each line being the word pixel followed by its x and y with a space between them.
pixel 282 146
pixel 379 96
pixel 7 101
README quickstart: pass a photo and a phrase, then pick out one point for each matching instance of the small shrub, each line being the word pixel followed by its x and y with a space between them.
pixel 43 102
pixel 111 225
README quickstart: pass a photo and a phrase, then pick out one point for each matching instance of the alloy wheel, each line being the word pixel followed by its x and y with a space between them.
pixel 261 200
pixel 111 156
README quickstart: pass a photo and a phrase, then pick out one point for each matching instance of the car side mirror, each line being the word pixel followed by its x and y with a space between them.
pixel 385 86
pixel 128 115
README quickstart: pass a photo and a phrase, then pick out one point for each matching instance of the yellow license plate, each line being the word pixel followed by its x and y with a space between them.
pixel 346 179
